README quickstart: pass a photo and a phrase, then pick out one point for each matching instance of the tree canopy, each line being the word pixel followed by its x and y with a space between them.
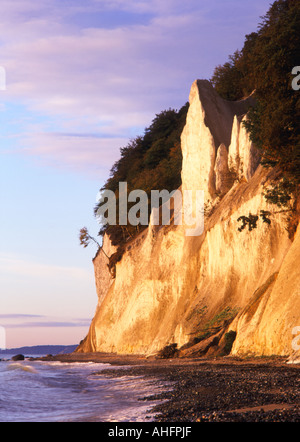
pixel 151 161
pixel 265 65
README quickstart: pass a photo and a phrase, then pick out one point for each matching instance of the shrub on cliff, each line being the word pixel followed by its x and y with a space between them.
pixel 235 79
pixel 229 339
pixel 274 123
pixel 169 351
pixel 265 64
pixel 148 162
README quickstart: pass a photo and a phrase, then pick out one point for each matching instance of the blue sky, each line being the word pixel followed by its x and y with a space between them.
pixel 82 79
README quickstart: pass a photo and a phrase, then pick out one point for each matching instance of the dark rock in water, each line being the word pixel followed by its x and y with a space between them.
pixel 18 358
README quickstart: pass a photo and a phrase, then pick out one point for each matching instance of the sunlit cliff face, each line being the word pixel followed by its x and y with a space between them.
pixel 170 287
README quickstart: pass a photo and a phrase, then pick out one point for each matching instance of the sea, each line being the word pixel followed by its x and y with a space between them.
pixel 40 391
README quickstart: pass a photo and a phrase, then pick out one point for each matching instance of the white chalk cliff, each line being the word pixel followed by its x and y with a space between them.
pixel 172 288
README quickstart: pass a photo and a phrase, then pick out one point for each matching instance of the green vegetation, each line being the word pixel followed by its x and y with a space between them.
pixel 265 65
pixel 169 351
pixel 229 339
pixel 85 238
pixel 251 220
pixel 146 163
pixel 220 320
pixel 280 193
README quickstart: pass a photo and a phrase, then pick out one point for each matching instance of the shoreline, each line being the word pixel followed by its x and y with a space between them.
pixel 138 359
pixel 228 389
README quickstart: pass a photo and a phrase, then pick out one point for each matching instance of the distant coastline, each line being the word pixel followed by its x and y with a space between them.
pixel 40 350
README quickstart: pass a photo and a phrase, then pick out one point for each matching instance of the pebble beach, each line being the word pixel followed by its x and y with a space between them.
pixel 211 390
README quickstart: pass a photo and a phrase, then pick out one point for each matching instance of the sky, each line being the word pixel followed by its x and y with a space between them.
pixel 78 81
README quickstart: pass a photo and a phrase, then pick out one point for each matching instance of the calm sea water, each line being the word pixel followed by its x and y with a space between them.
pixel 36 391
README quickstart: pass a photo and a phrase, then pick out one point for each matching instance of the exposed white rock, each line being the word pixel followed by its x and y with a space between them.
pixel 169 285
pixel 233 153
pixel 224 178
pixel 103 277
pixel 198 149
pixel 275 317
pixel 213 122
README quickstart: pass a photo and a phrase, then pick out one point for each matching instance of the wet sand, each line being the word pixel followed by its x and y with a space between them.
pixel 212 390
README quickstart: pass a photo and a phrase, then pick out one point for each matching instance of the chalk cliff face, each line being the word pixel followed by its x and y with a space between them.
pixel 174 288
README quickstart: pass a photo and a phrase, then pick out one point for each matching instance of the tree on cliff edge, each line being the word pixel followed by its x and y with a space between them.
pixel 151 161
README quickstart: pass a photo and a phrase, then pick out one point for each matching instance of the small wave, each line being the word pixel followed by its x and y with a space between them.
pixel 23 367
pixel 70 392
pixel 75 364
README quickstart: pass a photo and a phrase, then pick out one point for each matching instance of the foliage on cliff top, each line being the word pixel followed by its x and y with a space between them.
pixel 265 65
pixel 151 161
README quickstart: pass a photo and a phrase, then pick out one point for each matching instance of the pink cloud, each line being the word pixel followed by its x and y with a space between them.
pixel 74 152
pixel 106 81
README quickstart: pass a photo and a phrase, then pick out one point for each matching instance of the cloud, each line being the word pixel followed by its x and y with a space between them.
pixel 75 151
pixel 105 75
pixel 156 7
pixel 109 81
pixel 137 6
pixel 8 320
pixel 14 265
pixel 92 67
pixel 105 81
pixel 50 324
pixel 19 316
